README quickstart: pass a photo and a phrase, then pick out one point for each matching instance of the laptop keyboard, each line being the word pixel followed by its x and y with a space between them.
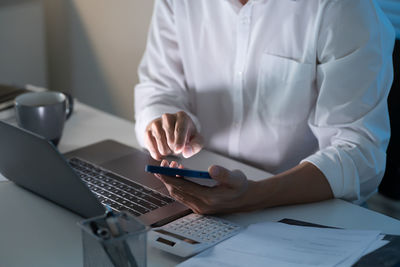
pixel 116 192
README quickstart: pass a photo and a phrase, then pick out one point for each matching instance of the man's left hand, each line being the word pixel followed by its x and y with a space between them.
pixel 227 196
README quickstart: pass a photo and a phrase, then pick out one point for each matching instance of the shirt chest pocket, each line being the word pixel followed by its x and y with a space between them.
pixel 285 90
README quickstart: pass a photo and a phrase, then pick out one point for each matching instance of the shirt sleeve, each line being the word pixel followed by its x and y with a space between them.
pixel 162 87
pixel 350 118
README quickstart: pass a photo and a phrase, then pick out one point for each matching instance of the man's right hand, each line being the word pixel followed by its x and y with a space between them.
pixel 173 134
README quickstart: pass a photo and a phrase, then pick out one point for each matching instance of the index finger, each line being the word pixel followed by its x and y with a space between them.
pixel 181 132
pixel 168 124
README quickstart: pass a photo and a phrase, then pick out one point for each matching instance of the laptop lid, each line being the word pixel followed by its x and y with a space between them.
pixel 36 165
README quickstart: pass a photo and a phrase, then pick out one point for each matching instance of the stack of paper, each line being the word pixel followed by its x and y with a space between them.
pixel 278 244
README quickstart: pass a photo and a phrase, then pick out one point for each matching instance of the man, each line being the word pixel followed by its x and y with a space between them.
pixel 297 88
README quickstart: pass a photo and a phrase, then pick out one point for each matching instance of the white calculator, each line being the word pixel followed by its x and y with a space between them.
pixel 191 234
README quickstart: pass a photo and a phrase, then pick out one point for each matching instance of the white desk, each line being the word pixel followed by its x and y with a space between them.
pixel 35 232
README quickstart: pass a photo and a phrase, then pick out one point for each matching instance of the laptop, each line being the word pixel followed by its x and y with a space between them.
pixel 88 180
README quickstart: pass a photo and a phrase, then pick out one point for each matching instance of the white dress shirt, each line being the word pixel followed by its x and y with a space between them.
pixel 276 82
pixel 392 10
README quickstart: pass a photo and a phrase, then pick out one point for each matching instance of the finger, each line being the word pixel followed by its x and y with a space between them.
pixel 159 135
pixel 193 147
pixel 174 164
pixel 164 163
pixel 152 146
pixel 224 176
pixel 168 124
pixel 219 173
pixel 234 179
pixel 181 131
pixel 181 184
pixel 186 186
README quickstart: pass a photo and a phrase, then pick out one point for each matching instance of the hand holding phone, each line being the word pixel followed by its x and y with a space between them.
pixel 198 177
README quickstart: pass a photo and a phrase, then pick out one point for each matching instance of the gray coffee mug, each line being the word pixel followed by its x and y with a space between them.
pixel 44 113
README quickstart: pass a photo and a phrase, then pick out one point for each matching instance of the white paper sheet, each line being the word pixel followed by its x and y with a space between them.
pixel 278 244
pixel 378 243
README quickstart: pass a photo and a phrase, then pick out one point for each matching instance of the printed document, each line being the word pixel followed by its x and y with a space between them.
pixel 279 244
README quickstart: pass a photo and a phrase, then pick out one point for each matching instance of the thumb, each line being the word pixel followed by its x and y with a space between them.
pixel 193 146
pixel 224 176
pixel 219 174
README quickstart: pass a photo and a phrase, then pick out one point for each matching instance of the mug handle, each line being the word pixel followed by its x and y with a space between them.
pixel 70 105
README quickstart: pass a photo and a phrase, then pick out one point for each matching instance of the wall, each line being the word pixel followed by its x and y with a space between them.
pixel 94 48
pixel 22 43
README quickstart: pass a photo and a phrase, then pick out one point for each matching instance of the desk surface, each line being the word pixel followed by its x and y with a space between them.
pixel 35 232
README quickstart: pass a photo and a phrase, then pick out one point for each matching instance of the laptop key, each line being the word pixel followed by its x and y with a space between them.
pixel 116 198
pixel 116 206
pixel 106 202
pixel 97 176
pixel 149 205
pixel 129 189
pixel 140 209
pixel 94 189
pixel 102 178
pixel 153 200
pixel 142 202
pixel 122 186
pixel 94 182
pixel 162 197
pixel 146 191
pixel 116 191
pixel 136 193
pixel 132 198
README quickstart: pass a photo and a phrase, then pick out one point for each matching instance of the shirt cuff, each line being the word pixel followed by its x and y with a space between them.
pixel 149 114
pixel 339 170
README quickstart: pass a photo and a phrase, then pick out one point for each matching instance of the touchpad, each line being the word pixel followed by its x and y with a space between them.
pixel 132 167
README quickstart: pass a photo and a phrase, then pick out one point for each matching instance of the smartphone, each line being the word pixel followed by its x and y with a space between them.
pixel 198 177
